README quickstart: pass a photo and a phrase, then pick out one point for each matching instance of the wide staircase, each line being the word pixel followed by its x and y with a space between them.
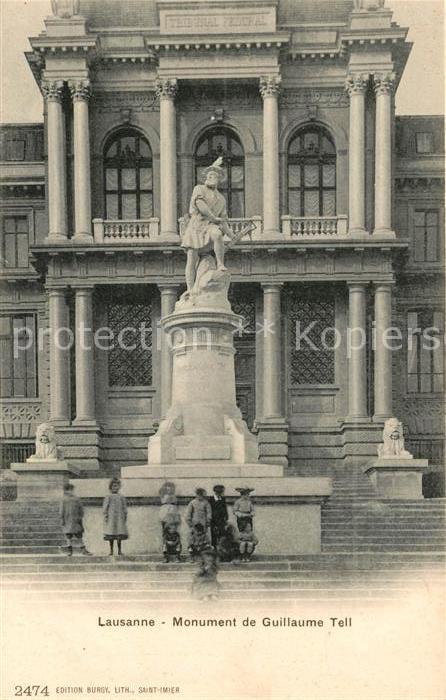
pixel 372 549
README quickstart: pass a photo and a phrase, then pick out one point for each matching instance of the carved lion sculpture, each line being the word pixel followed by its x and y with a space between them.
pixel 393 440
pixel 45 443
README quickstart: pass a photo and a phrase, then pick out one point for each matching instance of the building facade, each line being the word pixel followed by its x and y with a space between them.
pixel 345 198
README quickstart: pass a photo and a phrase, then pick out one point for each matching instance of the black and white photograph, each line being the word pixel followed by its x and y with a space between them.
pixel 222 349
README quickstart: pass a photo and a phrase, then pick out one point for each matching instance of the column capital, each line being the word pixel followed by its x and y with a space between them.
pixel 80 89
pixel 166 287
pixel 356 83
pixel 383 83
pixel 383 286
pixel 52 90
pixel 166 88
pixel 269 85
pixel 83 289
pixel 56 291
pixel 272 286
pixel 357 286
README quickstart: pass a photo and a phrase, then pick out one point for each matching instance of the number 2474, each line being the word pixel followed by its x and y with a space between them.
pixel 31 690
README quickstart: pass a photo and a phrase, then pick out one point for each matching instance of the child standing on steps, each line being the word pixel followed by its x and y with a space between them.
pixel 115 516
pixel 72 513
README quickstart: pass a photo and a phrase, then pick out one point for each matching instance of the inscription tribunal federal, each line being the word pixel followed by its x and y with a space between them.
pixel 218 22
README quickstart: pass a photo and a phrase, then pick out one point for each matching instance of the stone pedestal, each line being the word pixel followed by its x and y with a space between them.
pixel 397 477
pixel 39 480
pixel 287 520
pixel 203 422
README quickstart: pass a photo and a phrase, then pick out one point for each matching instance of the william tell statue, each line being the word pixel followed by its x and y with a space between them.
pixel 207 224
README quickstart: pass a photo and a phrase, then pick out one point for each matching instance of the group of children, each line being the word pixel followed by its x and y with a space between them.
pixel 206 518
pixel 209 515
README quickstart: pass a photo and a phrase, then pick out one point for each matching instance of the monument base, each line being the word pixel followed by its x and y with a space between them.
pixel 397 477
pixel 287 520
pixel 42 480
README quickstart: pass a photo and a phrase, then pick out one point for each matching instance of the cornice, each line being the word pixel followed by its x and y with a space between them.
pixel 217 42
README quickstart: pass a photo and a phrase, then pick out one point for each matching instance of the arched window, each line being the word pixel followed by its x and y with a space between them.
pixel 312 173
pixel 128 177
pixel 220 141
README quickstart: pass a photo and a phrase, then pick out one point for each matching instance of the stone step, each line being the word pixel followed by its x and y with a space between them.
pixel 254 594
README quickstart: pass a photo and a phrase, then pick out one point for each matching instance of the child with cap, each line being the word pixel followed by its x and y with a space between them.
pixel 115 516
pixel 219 511
pixel 244 508
pixel 72 513
pixel 247 542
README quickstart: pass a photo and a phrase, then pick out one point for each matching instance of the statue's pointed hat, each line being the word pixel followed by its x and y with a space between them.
pixel 216 168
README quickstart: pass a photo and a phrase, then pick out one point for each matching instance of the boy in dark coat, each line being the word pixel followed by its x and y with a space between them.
pixel 219 511
pixel 72 513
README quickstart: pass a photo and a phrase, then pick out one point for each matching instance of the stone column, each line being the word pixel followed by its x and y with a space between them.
pixel 269 89
pixel 383 155
pixel 85 392
pixel 272 350
pixel 356 86
pixel 57 170
pixel 357 365
pixel 169 295
pixel 166 90
pixel 59 356
pixel 80 92
pixel 383 354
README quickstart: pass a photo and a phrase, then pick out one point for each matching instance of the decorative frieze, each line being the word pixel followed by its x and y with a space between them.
pixel 21 412
pixel 132 101
pixel 306 97
pixel 270 85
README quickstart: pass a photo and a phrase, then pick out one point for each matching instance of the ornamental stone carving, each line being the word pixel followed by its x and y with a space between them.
pixel 65 8
pixel 393 440
pixel 52 90
pixel 80 89
pixel 166 88
pixel 132 101
pixel 356 84
pixel 383 83
pixel 270 85
pixel 46 448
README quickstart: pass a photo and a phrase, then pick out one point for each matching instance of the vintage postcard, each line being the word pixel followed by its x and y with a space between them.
pixel 222 349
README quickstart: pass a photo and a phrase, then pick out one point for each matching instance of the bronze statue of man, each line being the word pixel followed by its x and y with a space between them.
pixel 207 223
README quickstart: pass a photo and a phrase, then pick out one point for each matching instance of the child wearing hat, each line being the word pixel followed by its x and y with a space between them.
pixel 169 513
pixel 219 511
pixel 247 542
pixel 72 513
pixel 243 508
pixel 115 516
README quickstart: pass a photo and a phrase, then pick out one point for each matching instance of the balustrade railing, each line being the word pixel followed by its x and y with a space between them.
pixel 293 228
pixel 126 230
pixel 314 227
